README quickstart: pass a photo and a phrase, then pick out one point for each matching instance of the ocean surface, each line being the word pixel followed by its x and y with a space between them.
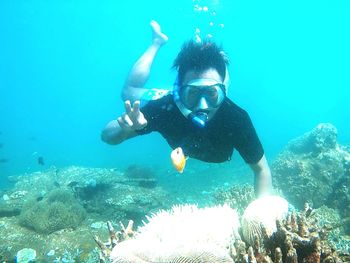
pixel 63 64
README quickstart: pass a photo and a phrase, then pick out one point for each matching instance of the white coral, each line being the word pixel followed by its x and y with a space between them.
pixel 185 233
pixel 263 212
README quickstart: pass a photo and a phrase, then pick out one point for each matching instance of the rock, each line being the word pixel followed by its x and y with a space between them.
pixel 50 253
pixel 25 255
pixel 8 211
pixel 322 138
pixel 18 194
pixel 310 166
pixel 5 197
pixel 97 225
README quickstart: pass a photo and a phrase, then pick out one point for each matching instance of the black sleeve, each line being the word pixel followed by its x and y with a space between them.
pixel 247 141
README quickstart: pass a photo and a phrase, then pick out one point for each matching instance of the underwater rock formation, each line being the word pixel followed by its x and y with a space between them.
pixel 7 210
pixel 106 193
pixel 54 201
pixel 58 211
pixel 322 138
pixel 141 175
pixel 313 167
pixel 340 197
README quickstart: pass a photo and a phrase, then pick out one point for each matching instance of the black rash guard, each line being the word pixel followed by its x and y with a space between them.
pixel 230 128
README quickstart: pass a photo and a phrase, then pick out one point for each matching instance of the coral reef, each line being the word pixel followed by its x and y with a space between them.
pixel 103 194
pixel 314 168
pixel 322 138
pixel 340 197
pixel 237 196
pixel 141 175
pixel 299 237
pixel 7 210
pixel 26 255
pixel 58 211
pixel 183 234
pixel 261 216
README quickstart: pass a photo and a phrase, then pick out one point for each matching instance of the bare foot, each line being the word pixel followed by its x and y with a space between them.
pixel 158 37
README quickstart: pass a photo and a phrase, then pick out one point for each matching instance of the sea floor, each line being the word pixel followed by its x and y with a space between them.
pixel 57 212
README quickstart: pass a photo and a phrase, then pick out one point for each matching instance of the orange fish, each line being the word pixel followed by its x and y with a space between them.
pixel 178 159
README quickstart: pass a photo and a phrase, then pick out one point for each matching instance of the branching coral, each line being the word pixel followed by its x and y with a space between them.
pixel 237 196
pixel 298 238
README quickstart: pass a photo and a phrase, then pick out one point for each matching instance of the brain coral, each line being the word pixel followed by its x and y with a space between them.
pixel 58 211
pixel 263 212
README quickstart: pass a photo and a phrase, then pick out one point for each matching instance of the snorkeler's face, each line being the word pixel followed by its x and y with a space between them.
pixel 202 91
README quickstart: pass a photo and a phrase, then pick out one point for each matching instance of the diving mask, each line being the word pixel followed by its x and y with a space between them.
pixel 193 93
pixel 198 98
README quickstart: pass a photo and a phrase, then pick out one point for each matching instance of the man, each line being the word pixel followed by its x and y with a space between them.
pixel 197 115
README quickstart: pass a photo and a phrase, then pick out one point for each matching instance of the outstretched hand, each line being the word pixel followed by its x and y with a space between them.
pixel 133 119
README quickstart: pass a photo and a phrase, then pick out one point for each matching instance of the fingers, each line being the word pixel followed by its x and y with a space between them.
pixel 122 123
pixel 134 111
pixel 127 105
pixel 128 120
pixel 136 107
pixel 125 122
pixel 132 118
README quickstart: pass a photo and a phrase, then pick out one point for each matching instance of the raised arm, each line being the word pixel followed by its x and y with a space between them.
pixel 123 128
pixel 262 177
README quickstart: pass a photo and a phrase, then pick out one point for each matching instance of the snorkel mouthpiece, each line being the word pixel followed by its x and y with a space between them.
pixel 200 118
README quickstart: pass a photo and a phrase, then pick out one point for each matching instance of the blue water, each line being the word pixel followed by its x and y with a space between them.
pixel 63 63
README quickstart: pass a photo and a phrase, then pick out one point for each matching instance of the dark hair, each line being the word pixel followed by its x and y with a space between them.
pixel 199 57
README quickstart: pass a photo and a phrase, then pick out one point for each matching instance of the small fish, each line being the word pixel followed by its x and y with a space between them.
pixel 178 159
pixel 41 160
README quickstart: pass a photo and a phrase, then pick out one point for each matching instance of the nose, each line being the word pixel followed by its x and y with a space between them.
pixel 203 105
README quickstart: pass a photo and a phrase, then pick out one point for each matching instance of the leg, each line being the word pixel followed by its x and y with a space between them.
pixel 133 87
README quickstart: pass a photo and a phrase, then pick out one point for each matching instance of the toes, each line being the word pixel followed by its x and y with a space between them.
pixel 155 26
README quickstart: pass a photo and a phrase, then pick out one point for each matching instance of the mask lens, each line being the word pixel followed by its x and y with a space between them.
pixel 190 95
